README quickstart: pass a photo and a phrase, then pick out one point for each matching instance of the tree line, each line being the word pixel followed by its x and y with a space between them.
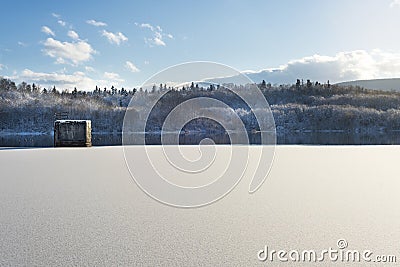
pixel 296 107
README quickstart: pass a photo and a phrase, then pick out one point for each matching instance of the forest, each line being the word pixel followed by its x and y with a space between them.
pixel 28 108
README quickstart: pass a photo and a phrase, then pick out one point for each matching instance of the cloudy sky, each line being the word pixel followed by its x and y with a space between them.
pixel 122 43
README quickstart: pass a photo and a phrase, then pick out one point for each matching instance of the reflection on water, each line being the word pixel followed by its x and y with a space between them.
pixel 306 138
pixel 47 140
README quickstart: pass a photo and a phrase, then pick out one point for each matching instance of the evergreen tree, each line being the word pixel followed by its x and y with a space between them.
pixel 263 84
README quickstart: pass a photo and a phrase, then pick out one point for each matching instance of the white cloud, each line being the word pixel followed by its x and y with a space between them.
pixel 131 67
pixel 89 69
pixel 59 20
pixel 157 41
pixel 63 81
pixel 62 23
pixel 22 44
pixel 73 35
pixel 344 66
pixel 96 23
pixel 113 76
pixel 71 53
pixel 115 38
pixel 146 25
pixel 395 3
pixel 60 80
pixel 56 15
pixel 157 34
pixel 1 66
pixel 47 31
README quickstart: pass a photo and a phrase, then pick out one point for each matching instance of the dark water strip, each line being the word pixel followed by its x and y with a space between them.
pixel 302 138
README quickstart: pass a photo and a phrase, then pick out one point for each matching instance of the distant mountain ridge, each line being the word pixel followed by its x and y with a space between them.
pixel 392 84
pixel 276 77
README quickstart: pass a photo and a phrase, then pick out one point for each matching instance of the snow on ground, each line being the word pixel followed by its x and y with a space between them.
pixel 62 207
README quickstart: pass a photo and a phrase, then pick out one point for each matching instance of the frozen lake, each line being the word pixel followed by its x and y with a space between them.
pixel 63 207
pixel 327 137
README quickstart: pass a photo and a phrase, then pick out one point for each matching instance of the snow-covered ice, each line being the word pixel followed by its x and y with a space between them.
pixel 79 206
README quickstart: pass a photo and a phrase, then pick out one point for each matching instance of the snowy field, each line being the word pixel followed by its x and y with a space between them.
pixel 64 207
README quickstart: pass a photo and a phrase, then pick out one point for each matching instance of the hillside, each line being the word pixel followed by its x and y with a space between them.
pixel 313 108
pixel 377 84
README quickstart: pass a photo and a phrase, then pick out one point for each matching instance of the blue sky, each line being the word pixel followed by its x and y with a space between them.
pixel 122 43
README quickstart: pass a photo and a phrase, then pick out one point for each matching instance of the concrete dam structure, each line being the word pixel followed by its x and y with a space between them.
pixel 72 133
